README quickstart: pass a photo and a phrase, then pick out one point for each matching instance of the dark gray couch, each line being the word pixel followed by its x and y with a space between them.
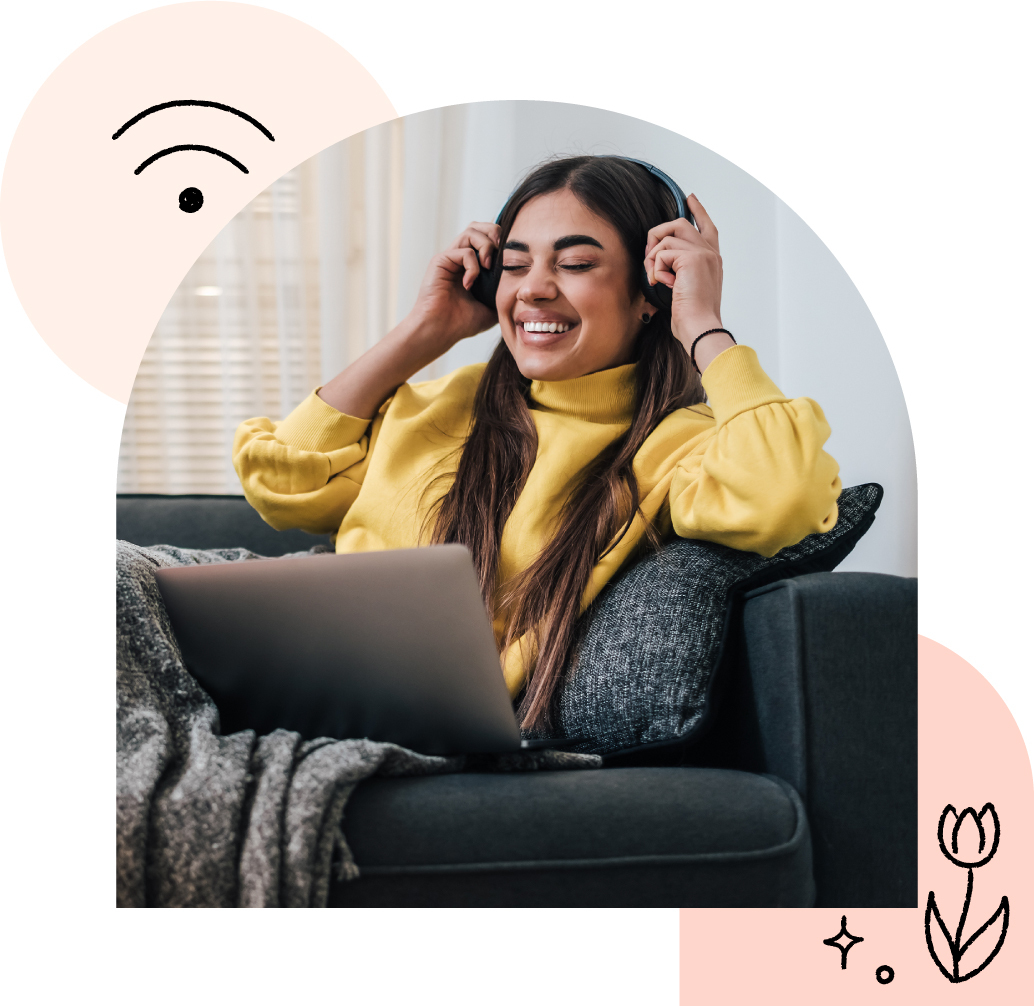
pixel 801 791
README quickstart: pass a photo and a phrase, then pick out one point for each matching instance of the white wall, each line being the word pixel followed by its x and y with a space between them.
pixel 784 293
pixel 831 350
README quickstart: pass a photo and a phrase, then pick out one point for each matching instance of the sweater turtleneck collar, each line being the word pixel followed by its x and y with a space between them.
pixel 608 396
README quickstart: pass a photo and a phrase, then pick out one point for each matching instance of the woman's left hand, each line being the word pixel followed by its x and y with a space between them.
pixel 690 263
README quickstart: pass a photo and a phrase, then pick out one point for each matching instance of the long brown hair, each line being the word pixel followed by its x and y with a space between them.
pixel 544 601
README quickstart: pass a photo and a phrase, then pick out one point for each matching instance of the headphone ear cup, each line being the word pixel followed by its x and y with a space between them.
pixel 656 294
pixel 485 285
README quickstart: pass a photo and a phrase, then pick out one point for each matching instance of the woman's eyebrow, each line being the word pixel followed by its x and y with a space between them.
pixel 559 245
pixel 575 239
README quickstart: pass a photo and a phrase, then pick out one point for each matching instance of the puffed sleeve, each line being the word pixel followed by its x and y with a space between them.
pixel 306 470
pixel 761 480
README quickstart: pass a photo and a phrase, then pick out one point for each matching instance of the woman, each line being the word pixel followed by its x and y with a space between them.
pixel 585 437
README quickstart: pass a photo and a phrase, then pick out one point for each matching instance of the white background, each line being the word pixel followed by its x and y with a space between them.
pixel 899 132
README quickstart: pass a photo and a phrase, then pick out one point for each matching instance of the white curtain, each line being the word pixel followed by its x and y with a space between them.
pixel 240 337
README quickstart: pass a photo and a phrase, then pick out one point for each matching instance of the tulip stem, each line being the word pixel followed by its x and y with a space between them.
pixel 955 950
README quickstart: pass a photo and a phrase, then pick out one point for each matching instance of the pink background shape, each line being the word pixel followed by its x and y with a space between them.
pixel 96 252
pixel 970 753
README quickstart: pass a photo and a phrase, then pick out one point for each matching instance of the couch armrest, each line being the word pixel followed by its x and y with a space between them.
pixel 832 661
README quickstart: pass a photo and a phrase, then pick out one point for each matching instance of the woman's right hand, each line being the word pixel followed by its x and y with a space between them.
pixel 445 311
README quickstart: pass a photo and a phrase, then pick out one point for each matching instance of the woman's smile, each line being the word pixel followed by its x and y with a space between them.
pixel 544 330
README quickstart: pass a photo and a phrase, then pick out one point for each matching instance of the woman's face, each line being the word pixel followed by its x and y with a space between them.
pixel 565 308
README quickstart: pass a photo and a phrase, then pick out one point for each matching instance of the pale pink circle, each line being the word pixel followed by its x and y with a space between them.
pixel 95 251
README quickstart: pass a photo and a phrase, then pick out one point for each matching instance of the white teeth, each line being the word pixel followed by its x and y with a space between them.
pixel 543 326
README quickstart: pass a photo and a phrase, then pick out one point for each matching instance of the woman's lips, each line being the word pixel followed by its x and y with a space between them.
pixel 547 337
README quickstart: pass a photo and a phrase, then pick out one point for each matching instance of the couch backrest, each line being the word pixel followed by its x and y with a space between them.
pixel 204 521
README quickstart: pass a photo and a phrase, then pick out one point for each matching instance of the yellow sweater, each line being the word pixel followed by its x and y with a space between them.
pixel 748 471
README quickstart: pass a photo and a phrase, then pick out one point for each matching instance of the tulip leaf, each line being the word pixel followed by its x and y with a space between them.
pixel 932 910
pixel 1001 913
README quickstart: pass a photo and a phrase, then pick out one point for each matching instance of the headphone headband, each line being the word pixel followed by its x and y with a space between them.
pixel 487 281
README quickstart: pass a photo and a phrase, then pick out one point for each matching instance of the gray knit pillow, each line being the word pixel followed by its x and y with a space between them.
pixel 652 641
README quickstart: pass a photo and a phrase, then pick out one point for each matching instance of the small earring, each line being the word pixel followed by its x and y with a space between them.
pixel 647 318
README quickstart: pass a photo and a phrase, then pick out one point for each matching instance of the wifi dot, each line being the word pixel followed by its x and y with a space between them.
pixel 191 200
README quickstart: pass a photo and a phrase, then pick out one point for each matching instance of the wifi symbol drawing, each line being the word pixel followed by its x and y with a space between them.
pixel 191 199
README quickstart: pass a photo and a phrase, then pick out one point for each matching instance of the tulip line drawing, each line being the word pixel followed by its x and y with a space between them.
pixel 973 860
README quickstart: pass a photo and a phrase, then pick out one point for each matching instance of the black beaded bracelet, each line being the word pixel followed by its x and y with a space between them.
pixel 710 331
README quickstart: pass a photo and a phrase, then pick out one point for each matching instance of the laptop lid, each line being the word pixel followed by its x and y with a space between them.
pixel 393 646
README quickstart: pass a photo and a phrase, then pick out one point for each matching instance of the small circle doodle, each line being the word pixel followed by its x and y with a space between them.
pixel 884 974
pixel 191 200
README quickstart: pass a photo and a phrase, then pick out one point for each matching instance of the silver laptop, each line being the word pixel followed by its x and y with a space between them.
pixel 394 646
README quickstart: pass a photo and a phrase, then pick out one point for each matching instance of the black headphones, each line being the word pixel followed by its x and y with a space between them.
pixel 487 280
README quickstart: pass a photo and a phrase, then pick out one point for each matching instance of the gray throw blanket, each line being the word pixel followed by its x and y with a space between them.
pixel 210 820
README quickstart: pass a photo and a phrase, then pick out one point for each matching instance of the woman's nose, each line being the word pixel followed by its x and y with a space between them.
pixel 538 284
